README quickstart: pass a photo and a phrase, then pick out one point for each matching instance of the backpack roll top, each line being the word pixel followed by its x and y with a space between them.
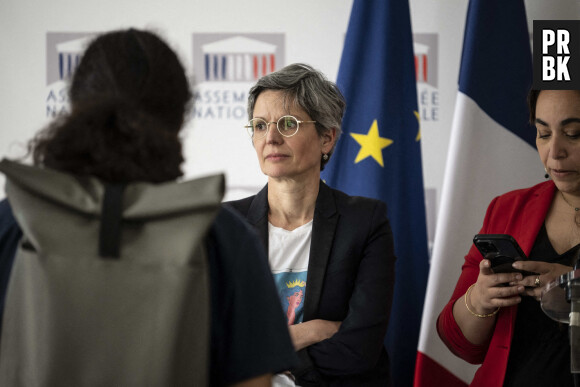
pixel 73 316
pixel 67 208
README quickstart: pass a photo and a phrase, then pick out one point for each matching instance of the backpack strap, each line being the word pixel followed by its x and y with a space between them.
pixel 111 218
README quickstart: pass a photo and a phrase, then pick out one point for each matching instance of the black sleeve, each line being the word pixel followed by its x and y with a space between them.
pixel 249 336
pixel 357 346
pixel 10 234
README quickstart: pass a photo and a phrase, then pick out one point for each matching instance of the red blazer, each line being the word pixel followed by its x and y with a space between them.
pixel 521 214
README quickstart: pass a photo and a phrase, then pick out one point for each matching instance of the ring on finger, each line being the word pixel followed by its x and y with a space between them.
pixel 537 282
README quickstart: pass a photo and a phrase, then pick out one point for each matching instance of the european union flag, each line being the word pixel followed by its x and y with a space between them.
pixel 379 156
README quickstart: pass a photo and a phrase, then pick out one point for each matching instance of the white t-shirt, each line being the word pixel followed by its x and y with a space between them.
pixel 288 254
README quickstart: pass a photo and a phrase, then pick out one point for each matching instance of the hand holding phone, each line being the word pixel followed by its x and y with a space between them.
pixel 502 251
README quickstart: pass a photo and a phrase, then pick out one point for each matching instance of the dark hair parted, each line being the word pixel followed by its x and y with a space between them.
pixel 532 100
pixel 309 89
pixel 128 98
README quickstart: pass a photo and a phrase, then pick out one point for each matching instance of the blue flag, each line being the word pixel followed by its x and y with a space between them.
pixel 379 156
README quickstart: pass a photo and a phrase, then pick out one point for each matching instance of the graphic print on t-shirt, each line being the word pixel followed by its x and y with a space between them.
pixel 291 287
pixel 288 255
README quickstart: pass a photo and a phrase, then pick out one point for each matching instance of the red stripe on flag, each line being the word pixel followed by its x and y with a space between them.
pixel 425 68
pixel 264 65
pixel 256 75
pixel 272 63
pixel 429 373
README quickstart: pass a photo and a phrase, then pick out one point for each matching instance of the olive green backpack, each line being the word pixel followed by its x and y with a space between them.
pixel 110 284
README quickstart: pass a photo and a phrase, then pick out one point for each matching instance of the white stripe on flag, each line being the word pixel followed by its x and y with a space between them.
pixel 485 160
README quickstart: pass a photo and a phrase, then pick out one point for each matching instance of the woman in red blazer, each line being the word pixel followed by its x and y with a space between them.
pixel 495 319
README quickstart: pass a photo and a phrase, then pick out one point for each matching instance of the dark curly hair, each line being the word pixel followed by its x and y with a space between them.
pixel 129 96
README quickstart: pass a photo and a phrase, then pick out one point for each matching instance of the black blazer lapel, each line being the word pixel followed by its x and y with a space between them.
pixel 258 215
pixel 323 229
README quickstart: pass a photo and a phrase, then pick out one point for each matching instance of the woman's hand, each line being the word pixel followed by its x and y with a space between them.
pixel 312 332
pixel 547 272
pixel 490 291
pixel 258 381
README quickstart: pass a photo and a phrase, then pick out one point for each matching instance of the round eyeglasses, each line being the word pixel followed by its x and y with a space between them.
pixel 287 126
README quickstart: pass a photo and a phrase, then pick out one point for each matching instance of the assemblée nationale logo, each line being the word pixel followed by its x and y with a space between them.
pixel 226 65
pixel 426 62
pixel 63 54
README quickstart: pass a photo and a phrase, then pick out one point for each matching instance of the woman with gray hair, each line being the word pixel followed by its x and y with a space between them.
pixel 331 254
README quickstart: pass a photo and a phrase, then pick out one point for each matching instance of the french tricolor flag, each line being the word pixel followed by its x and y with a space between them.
pixel 492 151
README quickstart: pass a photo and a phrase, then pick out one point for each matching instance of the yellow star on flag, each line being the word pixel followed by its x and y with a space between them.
pixel 419 121
pixel 371 144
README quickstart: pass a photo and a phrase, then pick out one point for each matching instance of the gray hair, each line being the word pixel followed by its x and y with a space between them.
pixel 308 88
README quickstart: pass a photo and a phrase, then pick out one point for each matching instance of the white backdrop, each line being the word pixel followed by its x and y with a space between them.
pixel 312 32
pixel 33 33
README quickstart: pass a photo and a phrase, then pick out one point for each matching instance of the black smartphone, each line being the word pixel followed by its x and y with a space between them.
pixel 502 250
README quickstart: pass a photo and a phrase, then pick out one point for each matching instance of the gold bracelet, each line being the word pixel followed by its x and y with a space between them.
pixel 477 314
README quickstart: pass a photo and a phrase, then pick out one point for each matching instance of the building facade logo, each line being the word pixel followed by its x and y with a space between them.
pixel 226 65
pixel 63 54
pixel 426 47
pixel 238 59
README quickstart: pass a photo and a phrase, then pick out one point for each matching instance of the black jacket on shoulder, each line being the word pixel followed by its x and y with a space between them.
pixel 350 279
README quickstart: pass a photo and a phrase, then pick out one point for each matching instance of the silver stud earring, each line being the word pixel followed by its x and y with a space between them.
pixel 325 157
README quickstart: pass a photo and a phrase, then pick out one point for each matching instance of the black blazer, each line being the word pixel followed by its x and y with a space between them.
pixel 350 279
